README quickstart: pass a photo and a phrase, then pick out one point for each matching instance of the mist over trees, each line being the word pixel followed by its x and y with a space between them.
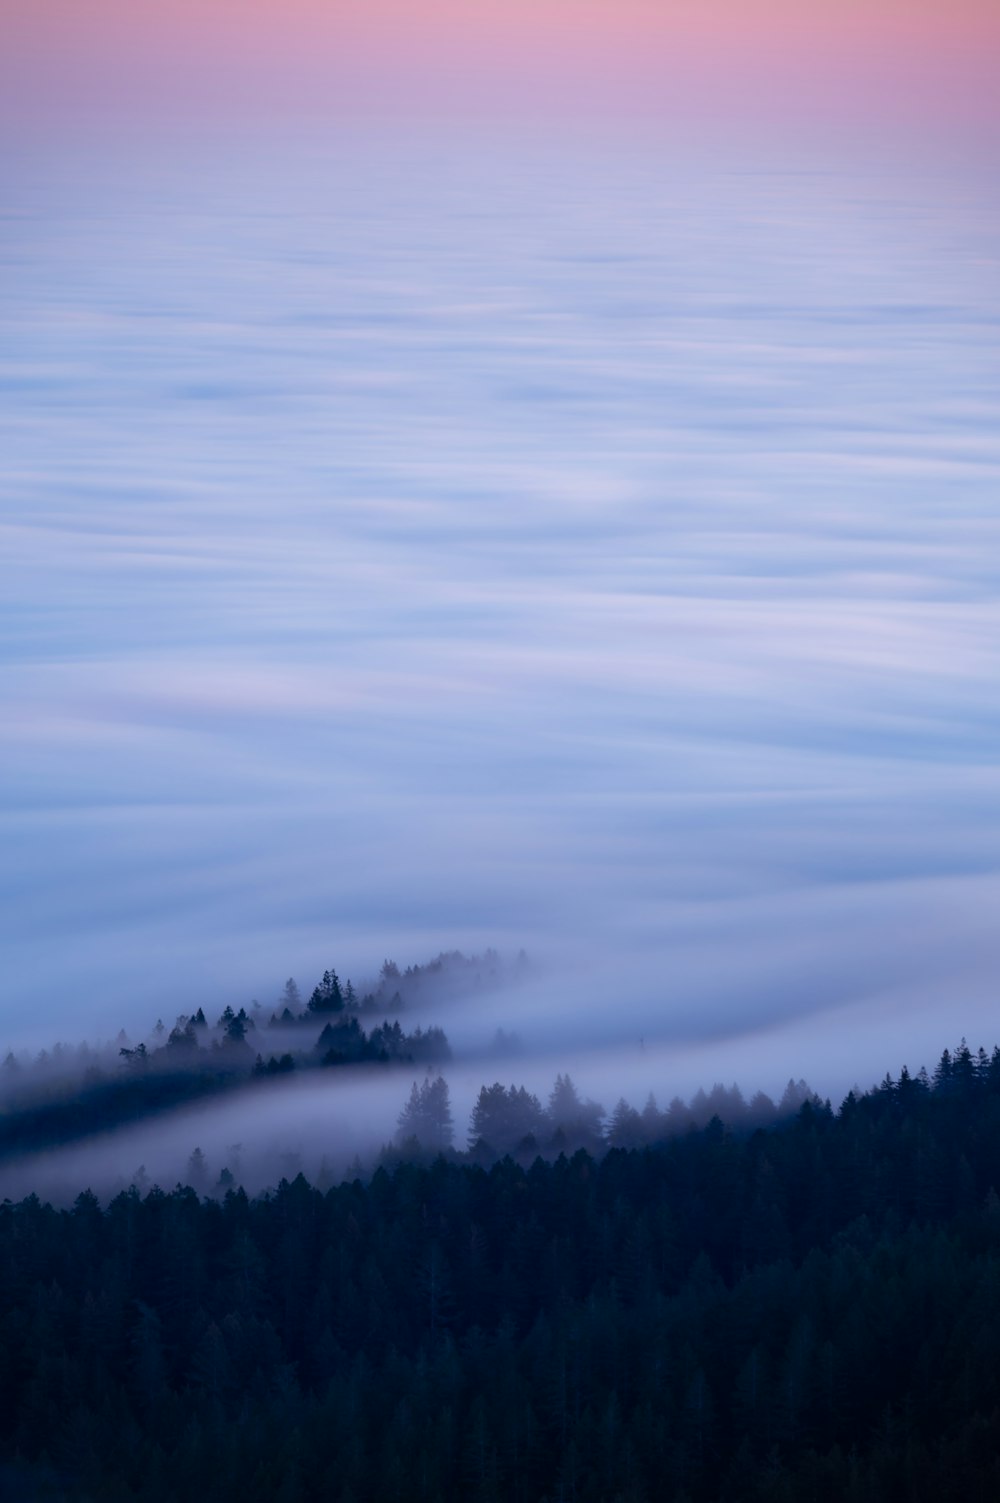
pixel 511 1120
pixel 71 1094
pixel 68 1093
pixel 426 1120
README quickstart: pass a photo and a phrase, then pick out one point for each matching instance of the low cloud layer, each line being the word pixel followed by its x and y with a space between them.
pixel 596 556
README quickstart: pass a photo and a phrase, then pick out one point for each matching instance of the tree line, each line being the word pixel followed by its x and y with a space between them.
pixel 512 1120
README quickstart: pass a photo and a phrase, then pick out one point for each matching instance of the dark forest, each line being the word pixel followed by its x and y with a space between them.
pixel 802 1312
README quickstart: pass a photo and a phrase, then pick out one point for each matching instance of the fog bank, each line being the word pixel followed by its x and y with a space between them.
pixel 591 553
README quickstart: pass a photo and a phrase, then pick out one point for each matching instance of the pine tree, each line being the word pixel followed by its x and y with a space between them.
pixel 427 1116
pixel 197 1170
pixel 626 1128
pixel 327 996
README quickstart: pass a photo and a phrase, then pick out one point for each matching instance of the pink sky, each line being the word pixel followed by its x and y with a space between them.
pixel 912 62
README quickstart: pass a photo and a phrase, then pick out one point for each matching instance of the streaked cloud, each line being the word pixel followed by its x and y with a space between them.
pixel 596 554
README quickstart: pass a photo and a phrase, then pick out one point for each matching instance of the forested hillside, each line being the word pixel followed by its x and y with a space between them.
pixel 343 1042
pixel 70 1092
pixel 808 1312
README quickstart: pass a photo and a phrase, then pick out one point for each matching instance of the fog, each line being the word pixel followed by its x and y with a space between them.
pixel 416 549
pixel 521 1026
pixel 335 1123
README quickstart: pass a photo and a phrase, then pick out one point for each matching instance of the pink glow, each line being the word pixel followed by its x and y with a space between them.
pixel 912 60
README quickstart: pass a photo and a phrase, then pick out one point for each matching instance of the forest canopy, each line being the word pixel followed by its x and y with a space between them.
pixel 804 1312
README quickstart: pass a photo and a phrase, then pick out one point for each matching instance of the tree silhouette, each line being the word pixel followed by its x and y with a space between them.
pixel 327 996
pixel 427 1116
pixel 503 1118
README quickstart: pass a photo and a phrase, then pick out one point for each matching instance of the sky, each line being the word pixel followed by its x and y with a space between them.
pixel 859 64
pixel 424 527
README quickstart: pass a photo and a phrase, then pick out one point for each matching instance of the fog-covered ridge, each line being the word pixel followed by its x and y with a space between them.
pixel 326 1070
pixel 343 1081
pixel 69 1092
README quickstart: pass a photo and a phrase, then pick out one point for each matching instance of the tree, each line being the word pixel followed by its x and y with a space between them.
pixel 652 1120
pixel 504 1118
pixel 437 1108
pixel 579 1121
pixel 436 1287
pixel 182 1035
pixel 197 1170
pixel 234 1025
pixel 148 1366
pixel 963 1068
pixel 291 997
pixel 626 1127
pixel 389 1041
pixel 327 996
pixel 343 1042
pixel 427 1116
pixel 942 1074
pixel 137 1058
